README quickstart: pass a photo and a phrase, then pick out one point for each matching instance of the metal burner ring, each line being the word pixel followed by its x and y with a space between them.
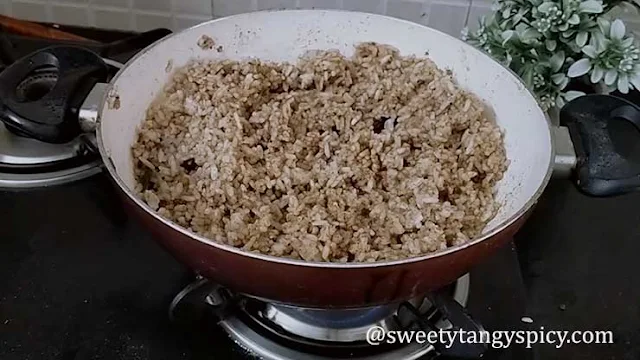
pixel 347 325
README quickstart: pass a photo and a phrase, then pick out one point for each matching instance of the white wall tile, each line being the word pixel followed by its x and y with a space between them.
pixel 70 14
pixel 631 18
pixel 446 15
pixel 232 7
pixel 626 13
pixel 4 7
pixel 29 10
pixel 634 28
pixel 113 19
pixel 319 4
pixel 146 22
pixel 276 4
pixel 449 18
pixel 370 6
pixel 183 22
pixel 476 12
pixel 159 5
pixel 192 7
pixel 413 10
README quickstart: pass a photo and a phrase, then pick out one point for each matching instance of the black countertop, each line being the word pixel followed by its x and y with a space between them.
pixel 578 256
pixel 79 281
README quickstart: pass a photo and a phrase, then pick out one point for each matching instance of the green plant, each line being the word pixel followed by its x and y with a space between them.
pixel 549 42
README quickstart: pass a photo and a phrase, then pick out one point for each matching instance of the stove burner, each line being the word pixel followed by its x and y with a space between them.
pixel 283 332
pixel 265 348
pixel 37 84
pixel 28 163
pixel 332 319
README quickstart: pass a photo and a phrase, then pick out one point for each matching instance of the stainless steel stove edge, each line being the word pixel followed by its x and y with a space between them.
pixel 9 181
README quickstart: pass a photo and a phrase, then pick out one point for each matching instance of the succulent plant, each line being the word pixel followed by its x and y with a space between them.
pixel 549 42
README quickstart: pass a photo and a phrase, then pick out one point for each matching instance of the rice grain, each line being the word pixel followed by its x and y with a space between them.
pixel 370 158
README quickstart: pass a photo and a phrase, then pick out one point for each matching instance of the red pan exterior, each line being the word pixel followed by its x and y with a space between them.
pixel 316 287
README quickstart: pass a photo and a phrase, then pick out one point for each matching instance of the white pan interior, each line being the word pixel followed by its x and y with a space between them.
pixel 285 35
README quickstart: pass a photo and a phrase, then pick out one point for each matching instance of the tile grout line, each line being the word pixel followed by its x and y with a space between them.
pixel 174 20
pixel 451 2
pixel 133 22
pixel 32 2
pixel 48 12
pixel 427 8
pixel 91 15
pixel 466 18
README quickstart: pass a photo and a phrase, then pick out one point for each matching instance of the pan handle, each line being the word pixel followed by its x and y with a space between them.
pixel 42 93
pixel 603 167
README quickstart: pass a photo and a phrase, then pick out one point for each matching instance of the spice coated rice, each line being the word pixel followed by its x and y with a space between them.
pixel 369 158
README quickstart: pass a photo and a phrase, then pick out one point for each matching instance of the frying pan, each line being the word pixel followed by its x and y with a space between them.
pixel 115 110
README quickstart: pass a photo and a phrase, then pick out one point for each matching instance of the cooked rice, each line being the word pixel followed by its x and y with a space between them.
pixel 377 157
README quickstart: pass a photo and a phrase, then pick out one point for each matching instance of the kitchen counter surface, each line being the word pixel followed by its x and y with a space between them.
pixel 579 258
pixel 79 281
pixel 99 290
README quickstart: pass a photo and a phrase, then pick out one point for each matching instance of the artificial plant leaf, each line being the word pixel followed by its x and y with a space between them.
pixel 507 35
pixel 617 30
pixel 572 94
pixel 623 83
pixel 558 78
pixel 596 74
pixel 599 41
pixel 591 7
pixel 529 35
pixel 635 81
pixel 610 76
pixel 590 51
pixel 550 44
pixel 604 25
pixel 581 38
pixel 546 6
pixel 556 61
pixel 574 19
pixel 579 68
pixel 559 101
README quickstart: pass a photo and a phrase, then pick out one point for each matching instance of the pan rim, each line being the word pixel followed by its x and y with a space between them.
pixel 316 264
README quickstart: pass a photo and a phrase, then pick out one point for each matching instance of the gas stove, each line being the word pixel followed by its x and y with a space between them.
pixel 28 163
pixel 82 281
pixel 283 332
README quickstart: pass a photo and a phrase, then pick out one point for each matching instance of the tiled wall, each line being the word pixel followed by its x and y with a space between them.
pixel 446 15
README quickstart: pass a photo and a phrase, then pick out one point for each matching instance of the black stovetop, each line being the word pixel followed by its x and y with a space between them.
pixel 79 280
